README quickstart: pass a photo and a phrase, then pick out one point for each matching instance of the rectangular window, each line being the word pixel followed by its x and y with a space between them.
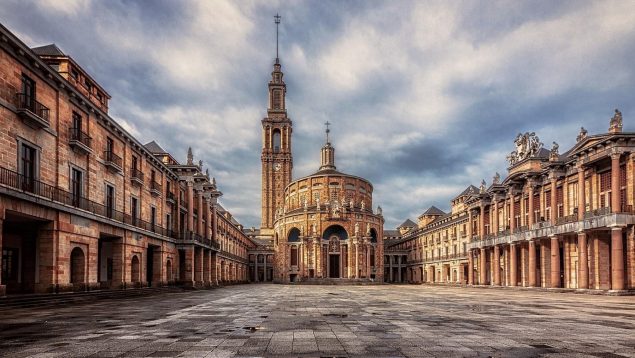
pixel 134 164
pixel 294 256
pixel 110 201
pixel 153 217
pixel 110 145
pixel 134 210
pixel 168 221
pixel 28 91
pixel 28 167
pixel 76 186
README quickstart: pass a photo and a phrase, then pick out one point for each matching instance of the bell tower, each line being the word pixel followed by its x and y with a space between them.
pixel 276 158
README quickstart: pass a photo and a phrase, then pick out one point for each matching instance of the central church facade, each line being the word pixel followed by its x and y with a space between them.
pixel 322 226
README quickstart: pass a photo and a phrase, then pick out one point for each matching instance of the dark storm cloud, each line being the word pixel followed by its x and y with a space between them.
pixel 425 97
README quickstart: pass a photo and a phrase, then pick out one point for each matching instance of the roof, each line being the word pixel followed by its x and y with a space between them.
pixel 433 210
pixel 407 223
pixel 154 148
pixel 471 189
pixel 48 50
pixel 391 233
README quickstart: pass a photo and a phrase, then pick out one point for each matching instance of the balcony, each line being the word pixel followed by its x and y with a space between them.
pixel 33 113
pixel 136 176
pixel 155 188
pixel 112 161
pixel 79 141
pixel 170 198
pixel 22 183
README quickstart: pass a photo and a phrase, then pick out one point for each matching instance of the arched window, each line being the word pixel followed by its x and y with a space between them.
pixel 276 140
pixel 77 266
pixel 136 269
pixel 294 235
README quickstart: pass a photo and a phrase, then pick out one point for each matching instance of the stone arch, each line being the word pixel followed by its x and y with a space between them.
pixel 168 270
pixel 78 266
pixel 335 230
pixel 294 235
pixel 277 141
pixel 373 235
pixel 135 269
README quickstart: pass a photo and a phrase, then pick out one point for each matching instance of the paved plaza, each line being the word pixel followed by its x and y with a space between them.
pixel 328 321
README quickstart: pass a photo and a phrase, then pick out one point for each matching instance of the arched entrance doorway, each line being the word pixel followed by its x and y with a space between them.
pixel 168 270
pixel 335 237
pixel 135 271
pixel 78 264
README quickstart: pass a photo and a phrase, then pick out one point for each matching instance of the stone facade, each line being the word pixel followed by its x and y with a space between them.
pixel 556 221
pixel 320 227
pixel 83 204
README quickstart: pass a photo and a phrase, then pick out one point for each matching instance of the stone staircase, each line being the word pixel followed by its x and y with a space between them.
pixel 337 281
pixel 71 298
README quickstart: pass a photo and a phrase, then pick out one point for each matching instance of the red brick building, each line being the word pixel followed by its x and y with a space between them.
pixel 85 205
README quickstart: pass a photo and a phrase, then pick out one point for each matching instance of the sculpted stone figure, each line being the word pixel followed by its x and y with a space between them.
pixel 356 229
pixel 482 188
pixel 367 229
pixel 379 210
pixel 317 203
pixel 363 205
pixel 582 135
pixel 527 145
pixel 351 204
pixel 553 154
pixel 496 179
pixel 306 204
pixel 616 121
pixel 314 229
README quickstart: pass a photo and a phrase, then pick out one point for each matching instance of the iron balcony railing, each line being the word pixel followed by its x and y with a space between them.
pixel 156 187
pixel 567 219
pixel 170 197
pixel 136 174
pixel 597 212
pixel 111 157
pixel 77 135
pixel 28 102
pixel 28 184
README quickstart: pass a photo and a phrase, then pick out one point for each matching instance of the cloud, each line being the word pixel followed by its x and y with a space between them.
pixel 425 97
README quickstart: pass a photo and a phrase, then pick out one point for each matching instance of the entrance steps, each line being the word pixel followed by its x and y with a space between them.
pixel 57 299
pixel 336 281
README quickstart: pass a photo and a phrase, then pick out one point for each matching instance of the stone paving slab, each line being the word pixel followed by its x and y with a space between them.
pixel 328 321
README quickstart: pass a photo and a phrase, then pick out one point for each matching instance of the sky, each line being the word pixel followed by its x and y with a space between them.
pixel 424 97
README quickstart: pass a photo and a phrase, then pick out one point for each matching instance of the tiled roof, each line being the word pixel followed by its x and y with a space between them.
pixel 48 50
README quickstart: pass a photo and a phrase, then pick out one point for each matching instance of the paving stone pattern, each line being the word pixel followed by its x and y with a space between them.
pixel 328 321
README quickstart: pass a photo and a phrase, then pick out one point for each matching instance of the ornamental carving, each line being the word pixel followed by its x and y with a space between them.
pixel 616 122
pixel 527 145
pixel 553 153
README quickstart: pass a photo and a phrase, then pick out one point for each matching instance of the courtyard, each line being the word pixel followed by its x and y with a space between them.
pixel 320 321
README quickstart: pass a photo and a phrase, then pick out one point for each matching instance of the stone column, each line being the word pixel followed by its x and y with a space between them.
pixel 469 225
pixel 581 197
pixel 356 260
pixel 470 269
pixel 555 262
pixel 583 261
pixel 617 259
pixel 198 261
pixel 531 208
pixel 481 222
pixel 190 206
pixel 513 265
pixel 496 266
pixel 554 204
pixel 189 266
pixel 200 214
pixel 483 268
pixel 532 263
pixel 206 267
pixel 495 216
pixel 3 287
pixel 390 276
pixel 615 183
pixel 256 269
pixel 512 213
pixel 265 269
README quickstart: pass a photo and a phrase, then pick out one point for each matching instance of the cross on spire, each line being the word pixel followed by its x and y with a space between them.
pixel 276 20
pixel 327 124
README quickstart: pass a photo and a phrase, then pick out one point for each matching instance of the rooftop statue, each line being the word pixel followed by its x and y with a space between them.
pixel 527 145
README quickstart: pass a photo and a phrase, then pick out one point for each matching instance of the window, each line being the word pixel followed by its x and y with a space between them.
pixel 277 99
pixel 9 264
pixel 168 221
pixel 110 145
pixel 134 209
pixel 110 200
pixel 28 91
pixel 28 167
pixel 153 217
pixel 572 198
pixel 276 141
pixel 135 164
pixel 294 255
pixel 605 189
pixel 76 186
pixel 74 74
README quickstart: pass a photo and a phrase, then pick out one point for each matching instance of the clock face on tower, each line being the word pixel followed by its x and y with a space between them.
pixel 277 166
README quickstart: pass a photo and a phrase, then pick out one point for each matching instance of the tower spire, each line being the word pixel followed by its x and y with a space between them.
pixel 276 20
pixel 327 124
pixel 328 152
